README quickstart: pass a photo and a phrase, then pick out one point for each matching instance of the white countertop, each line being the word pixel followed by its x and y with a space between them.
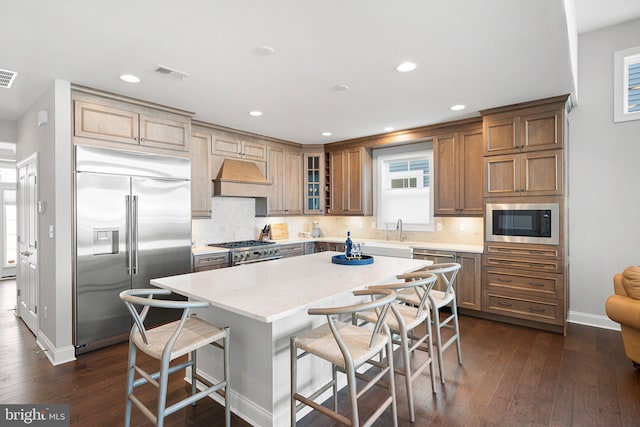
pixel 268 291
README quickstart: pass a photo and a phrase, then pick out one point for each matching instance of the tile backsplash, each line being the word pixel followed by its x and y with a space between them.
pixel 233 218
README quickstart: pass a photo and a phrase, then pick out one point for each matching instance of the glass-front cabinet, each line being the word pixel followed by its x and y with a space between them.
pixel 314 183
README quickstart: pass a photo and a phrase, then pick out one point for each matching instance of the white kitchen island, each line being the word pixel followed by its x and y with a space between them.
pixel 265 304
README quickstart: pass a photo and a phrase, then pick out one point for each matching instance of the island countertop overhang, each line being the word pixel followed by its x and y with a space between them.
pixel 272 290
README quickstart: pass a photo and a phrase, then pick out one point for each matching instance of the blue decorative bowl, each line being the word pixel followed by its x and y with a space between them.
pixel 341 259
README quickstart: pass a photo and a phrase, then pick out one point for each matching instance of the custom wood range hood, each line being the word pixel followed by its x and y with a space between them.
pixel 240 178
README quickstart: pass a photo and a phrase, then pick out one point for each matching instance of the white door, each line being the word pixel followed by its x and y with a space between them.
pixel 27 279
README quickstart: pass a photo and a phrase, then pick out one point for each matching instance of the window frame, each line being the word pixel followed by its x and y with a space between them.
pixel 418 145
pixel 620 81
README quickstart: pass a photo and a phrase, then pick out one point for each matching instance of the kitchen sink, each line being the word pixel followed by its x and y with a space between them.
pixel 397 250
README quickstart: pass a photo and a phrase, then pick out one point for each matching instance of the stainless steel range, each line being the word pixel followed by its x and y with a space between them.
pixel 248 251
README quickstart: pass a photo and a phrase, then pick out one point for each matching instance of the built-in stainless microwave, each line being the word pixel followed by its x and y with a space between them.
pixel 537 223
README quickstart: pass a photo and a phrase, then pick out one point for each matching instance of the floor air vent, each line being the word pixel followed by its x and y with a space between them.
pixel 171 73
pixel 7 77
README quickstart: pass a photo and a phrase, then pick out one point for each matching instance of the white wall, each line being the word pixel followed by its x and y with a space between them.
pixel 52 142
pixel 8 131
pixel 604 179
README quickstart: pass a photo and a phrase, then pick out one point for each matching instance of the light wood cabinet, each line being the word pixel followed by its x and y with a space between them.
pixel 314 176
pixel 351 182
pixel 230 145
pixel 468 281
pixel 530 129
pixel 235 146
pixel 286 177
pixel 292 249
pixel 210 261
pixel 117 121
pixel 536 173
pixel 525 282
pixel 458 173
pixel 200 179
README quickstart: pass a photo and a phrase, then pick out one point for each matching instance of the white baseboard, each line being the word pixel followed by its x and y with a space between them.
pixel 592 320
pixel 57 356
pixel 240 405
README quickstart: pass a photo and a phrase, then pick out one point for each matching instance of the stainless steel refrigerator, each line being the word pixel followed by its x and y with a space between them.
pixel 133 224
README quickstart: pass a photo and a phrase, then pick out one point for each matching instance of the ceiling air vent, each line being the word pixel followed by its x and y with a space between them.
pixel 171 73
pixel 7 77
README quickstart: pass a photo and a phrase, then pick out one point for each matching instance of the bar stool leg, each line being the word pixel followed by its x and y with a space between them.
pixel 353 394
pixel 436 324
pixel 407 374
pixel 294 380
pixel 334 377
pixel 454 309
pixel 162 389
pixel 432 369
pixel 227 387
pixel 193 374
pixel 130 378
pixel 392 384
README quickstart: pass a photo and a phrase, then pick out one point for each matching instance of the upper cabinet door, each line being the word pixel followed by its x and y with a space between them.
pixel 501 134
pixel 542 131
pixel 200 179
pixel 446 177
pixel 470 173
pixel 165 131
pixel 105 122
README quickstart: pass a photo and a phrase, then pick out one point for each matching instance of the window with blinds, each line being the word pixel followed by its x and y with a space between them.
pixel 403 187
pixel 627 84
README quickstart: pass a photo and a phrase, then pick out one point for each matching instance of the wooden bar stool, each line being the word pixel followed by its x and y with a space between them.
pixel 347 347
pixel 438 298
pixel 166 343
pixel 403 324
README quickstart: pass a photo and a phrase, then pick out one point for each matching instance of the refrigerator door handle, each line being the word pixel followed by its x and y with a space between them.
pixel 127 201
pixel 134 236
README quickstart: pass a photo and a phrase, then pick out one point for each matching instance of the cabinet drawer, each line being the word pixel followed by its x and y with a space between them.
pixel 210 262
pixel 520 250
pixel 535 284
pixel 296 249
pixel 553 266
pixel 546 311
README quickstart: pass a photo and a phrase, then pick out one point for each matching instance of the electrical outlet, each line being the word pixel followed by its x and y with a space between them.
pixel 462 227
pixel 361 224
pixel 438 226
pixel 46 315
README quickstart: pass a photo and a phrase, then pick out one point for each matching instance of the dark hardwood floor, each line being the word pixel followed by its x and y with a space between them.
pixel 511 376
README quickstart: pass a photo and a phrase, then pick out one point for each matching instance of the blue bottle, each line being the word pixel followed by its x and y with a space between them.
pixel 348 246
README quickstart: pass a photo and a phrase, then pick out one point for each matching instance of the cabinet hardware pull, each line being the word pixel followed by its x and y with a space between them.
pixel 536 252
pixel 504 249
pixel 536 264
pixel 499 279
pixel 536 284
pixel 537 310
pixel 141 139
pixel 135 138
pixel 504 304
pixel 500 261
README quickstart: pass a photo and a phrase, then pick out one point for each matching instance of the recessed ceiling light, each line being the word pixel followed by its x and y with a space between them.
pixel 255 113
pixel 326 134
pixel 130 78
pixel 265 50
pixel 341 88
pixel 458 107
pixel 406 66
pixel 388 129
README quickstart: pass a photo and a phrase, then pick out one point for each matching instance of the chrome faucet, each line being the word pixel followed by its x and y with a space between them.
pixel 399 227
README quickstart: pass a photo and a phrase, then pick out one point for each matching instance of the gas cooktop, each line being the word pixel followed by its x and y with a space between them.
pixel 241 244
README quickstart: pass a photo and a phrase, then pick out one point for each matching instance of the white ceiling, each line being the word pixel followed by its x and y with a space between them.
pixel 480 53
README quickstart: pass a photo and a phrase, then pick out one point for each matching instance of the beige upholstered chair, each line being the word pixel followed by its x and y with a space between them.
pixel 347 347
pixel 166 343
pixel 403 324
pixel 439 298
pixel 624 308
